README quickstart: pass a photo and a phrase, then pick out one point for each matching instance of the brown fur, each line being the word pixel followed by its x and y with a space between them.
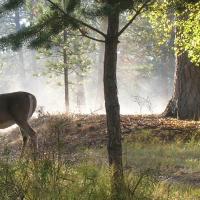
pixel 15 109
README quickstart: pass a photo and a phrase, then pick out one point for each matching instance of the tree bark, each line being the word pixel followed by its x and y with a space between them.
pixel 66 78
pixel 112 105
pixel 185 103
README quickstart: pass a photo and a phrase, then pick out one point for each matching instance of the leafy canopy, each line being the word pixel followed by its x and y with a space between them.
pixel 182 19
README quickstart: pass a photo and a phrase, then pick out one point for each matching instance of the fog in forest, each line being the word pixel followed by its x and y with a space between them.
pixel 138 93
pixel 145 74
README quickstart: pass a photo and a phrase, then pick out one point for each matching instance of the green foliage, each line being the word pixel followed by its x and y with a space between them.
pixel 70 5
pixel 49 23
pixel 188 34
pixel 69 14
pixel 76 48
pixel 161 16
pixel 10 6
pixel 100 8
pixel 181 18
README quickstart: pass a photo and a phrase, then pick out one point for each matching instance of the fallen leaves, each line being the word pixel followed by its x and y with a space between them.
pixel 90 130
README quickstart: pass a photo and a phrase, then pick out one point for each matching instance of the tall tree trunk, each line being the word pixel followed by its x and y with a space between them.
pixel 112 105
pixel 185 103
pixel 66 78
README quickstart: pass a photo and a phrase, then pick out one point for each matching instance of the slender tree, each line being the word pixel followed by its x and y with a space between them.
pixel 66 74
pixel 67 58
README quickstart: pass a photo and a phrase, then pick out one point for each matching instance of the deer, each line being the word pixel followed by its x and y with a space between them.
pixel 17 108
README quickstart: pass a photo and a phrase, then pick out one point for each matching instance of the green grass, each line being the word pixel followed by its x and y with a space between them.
pixel 48 180
pixel 168 157
pixel 146 160
pixel 165 157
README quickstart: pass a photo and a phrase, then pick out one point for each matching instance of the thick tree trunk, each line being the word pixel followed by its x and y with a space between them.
pixel 66 78
pixel 185 103
pixel 112 105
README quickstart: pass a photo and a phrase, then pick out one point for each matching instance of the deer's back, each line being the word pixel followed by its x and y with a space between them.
pixel 16 106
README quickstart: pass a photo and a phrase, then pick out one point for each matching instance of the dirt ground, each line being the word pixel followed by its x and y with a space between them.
pixel 90 130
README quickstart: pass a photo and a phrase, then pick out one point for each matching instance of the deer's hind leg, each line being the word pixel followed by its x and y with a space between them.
pixel 21 119
pixel 25 140
pixel 27 131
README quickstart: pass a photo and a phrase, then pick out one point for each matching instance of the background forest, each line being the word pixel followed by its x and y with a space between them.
pixel 93 67
pixel 145 72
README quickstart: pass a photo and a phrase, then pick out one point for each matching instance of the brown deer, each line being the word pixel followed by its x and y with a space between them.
pixel 17 108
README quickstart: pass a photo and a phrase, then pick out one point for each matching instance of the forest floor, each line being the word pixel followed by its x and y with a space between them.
pixel 168 146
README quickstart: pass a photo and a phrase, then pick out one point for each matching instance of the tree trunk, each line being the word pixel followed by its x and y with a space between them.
pixel 185 103
pixel 112 105
pixel 66 78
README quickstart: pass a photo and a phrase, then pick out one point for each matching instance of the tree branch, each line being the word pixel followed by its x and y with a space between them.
pixel 133 18
pixel 77 20
pixel 85 34
pixel 92 38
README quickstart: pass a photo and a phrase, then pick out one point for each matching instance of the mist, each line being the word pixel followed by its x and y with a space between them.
pixel 137 94
pixel 145 82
